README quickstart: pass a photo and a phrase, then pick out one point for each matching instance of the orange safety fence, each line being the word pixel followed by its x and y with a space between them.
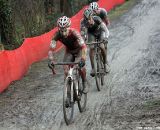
pixel 14 64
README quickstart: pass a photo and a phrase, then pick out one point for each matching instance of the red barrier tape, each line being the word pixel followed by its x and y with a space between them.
pixel 14 64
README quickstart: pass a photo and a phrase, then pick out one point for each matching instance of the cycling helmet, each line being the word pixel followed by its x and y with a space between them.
pixel 87 13
pixel 94 6
pixel 63 22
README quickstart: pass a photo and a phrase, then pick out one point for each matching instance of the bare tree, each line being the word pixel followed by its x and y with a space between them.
pixel 31 15
pixel 6 28
pixel 65 7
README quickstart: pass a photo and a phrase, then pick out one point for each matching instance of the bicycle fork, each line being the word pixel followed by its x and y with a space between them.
pixel 74 85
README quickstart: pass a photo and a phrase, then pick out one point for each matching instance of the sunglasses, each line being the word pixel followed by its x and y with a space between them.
pixel 63 30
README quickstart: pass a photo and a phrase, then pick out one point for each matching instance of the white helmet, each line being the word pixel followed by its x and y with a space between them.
pixel 63 22
pixel 94 6
pixel 87 13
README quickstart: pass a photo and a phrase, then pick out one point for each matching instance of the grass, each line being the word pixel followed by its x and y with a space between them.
pixel 121 9
pixel 152 104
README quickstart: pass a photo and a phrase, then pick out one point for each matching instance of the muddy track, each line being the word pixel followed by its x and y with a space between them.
pixel 128 101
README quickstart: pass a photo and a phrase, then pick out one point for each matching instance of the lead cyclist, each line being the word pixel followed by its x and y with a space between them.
pixel 75 48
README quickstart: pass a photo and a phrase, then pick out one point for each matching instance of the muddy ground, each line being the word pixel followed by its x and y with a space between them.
pixel 130 100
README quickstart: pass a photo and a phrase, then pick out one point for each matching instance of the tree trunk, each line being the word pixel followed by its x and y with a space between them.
pixel 65 7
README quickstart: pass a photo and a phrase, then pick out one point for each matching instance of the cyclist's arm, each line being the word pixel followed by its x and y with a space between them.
pixel 82 44
pixel 105 17
pixel 84 52
pixel 53 46
pixel 83 30
pixel 106 21
pixel 105 30
pixel 54 40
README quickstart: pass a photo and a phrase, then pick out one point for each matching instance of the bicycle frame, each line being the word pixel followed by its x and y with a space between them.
pixel 71 75
pixel 96 44
pixel 99 61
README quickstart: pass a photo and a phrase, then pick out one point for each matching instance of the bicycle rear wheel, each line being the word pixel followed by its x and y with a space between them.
pixel 83 97
pixel 68 104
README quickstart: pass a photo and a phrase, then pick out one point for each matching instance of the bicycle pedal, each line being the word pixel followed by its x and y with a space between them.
pixel 67 105
pixel 92 74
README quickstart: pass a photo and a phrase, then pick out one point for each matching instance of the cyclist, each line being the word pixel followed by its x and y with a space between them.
pixel 101 12
pixel 75 48
pixel 92 27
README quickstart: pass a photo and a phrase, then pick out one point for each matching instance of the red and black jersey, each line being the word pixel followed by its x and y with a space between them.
pixel 73 42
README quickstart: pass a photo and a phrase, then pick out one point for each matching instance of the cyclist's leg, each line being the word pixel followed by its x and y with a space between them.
pixel 91 38
pixel 103 51
pixel 103 35
pixel 82 73
pixel 84 80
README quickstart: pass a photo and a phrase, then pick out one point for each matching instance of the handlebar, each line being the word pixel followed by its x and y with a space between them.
pixel 66 63
pixel 93 43
pixel 63 63
pixel 97 42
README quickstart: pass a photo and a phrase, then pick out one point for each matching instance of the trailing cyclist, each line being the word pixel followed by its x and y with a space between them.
pixel 75 48
pixel 92 27
pixel 101 12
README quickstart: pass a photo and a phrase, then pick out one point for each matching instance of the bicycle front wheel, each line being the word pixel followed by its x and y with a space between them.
pixel 68 104
pixel 98 72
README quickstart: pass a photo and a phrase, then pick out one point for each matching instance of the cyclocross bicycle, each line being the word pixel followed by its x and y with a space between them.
pixel 98 64
pixel 72 92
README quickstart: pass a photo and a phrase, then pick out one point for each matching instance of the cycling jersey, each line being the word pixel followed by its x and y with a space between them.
pixel 97 29
pixel 92 28
pixel 73 42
